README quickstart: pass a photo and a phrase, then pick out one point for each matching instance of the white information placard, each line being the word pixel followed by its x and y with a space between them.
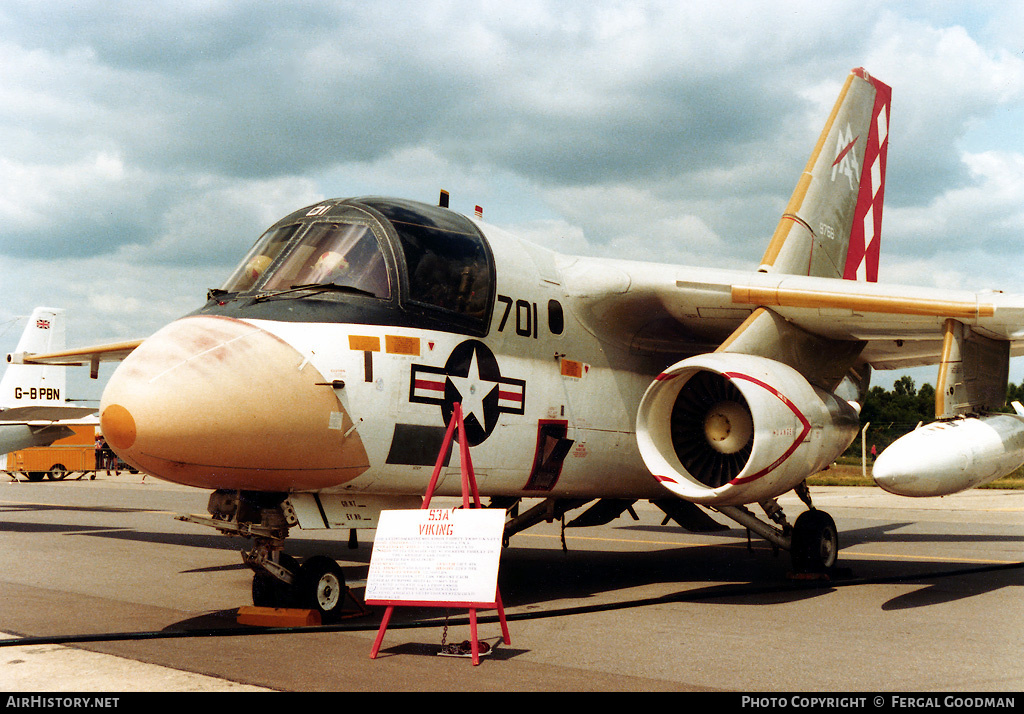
pixel 436 556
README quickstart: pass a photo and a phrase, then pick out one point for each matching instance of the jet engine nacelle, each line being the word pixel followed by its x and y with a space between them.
pixel 946 457
pixel 726 429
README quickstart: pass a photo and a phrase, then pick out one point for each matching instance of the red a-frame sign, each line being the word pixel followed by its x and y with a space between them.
pixel 468 487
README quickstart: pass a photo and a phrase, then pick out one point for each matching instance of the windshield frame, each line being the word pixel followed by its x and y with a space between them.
pixel 400 214
pixel 250 262
pixel 272 279
pixel 296 241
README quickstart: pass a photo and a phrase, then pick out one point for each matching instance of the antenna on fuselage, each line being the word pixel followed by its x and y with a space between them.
pixel 443 201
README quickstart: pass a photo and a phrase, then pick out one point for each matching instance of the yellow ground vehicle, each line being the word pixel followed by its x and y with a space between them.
pixel 70 454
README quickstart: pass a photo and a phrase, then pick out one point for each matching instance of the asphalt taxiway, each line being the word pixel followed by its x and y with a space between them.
pixel 104 591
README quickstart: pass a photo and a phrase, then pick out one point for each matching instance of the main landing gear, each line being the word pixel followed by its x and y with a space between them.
pixel 812 542
pixel 815 542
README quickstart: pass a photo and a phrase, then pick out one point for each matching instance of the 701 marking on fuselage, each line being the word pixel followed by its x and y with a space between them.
pixel 526 316
pixel 527 320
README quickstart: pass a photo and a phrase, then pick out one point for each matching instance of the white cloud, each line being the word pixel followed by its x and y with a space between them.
pixel 30 193
pixel 624 221
pixel 943 83
pixel 217 219
pixel 147 145
pixel 981 218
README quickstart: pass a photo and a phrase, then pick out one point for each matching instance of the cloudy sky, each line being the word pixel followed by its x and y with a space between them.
pixel 145 146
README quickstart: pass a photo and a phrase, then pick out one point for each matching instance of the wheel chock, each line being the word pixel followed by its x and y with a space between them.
pixel 277 616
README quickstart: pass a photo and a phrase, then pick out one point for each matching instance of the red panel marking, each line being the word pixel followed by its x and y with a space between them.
pixel 845 151
pixel 435 386
pixel 865 239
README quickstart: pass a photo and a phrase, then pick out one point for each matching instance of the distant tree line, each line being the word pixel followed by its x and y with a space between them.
pixel 894 413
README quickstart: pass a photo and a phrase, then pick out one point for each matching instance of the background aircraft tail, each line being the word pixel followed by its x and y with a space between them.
pixel 832 225
pixel 25 385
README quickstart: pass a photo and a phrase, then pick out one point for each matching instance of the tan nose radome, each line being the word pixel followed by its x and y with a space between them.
pixel 118 427
pixel 218 403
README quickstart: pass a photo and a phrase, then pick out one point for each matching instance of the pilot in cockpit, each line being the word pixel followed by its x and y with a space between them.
pixel 328 267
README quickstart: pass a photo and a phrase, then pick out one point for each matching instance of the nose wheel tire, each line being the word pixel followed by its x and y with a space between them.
pixel 268 591
pixel 321 587
pixel 815 545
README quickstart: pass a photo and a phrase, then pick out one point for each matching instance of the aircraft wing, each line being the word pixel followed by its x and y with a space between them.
pixel 903 326
pixel 814 304
pixel 689 310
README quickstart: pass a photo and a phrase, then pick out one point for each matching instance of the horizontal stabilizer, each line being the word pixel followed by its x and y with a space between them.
pixel 44 413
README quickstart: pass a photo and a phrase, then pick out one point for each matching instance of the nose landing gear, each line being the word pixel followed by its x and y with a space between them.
pixel 321 587
pixel 273 580
pixel 280 581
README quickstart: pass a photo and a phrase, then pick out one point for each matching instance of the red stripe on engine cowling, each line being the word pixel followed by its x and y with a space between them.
pixel 792 407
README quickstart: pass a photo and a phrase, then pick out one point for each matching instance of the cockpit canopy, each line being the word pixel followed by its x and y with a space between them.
pixel 424 258
pixel 343 253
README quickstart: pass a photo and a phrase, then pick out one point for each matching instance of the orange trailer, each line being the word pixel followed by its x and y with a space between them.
pixel 70 454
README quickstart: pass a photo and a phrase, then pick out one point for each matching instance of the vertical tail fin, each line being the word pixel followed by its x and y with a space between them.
pixel 833 224
pixel 25 385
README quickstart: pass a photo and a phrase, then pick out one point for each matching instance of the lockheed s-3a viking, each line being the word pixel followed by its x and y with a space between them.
pixel 314 387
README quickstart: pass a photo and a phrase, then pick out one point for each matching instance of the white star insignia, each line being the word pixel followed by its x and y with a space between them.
pixel 473 390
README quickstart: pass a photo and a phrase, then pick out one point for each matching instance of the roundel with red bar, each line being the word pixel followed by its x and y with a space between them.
pixel 471 376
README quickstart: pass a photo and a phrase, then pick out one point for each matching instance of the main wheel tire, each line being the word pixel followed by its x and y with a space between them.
pixel 815 542
pixel 321 586
pixel 269 591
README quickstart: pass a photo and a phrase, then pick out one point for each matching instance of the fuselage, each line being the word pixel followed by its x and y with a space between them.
pixel 346 383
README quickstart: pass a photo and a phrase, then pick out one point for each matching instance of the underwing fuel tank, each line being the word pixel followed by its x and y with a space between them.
pixel 946 457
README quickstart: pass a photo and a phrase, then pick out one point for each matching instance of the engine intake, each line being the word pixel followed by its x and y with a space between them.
pixel 712 429
pixel 727 429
